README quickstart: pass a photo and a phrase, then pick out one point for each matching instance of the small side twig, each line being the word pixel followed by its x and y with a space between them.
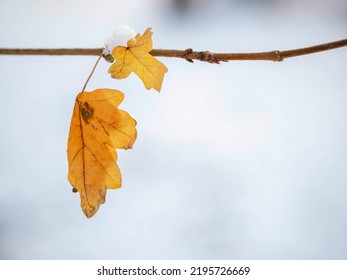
pixel 191 55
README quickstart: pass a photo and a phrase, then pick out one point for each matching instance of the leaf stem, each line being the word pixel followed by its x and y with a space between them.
pixel 91 73
pixel 191 55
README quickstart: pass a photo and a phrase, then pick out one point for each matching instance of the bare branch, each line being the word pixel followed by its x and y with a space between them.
pixel 189 54
pixel 78 51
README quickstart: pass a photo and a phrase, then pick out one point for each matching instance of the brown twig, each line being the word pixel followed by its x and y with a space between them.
pixel 191 55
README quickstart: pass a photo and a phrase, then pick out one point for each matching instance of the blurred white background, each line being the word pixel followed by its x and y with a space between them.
pixel 243 160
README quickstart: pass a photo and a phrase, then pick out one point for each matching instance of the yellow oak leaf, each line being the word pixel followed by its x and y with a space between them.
pixel 136 58
pixel 97 128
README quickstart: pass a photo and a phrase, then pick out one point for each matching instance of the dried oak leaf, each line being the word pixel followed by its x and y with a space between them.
pixel 136 58
pixel 97 128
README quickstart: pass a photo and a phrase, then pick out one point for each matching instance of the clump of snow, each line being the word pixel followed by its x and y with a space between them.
pixel 119 37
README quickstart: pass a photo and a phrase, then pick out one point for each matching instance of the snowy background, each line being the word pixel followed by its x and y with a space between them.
pixel 243 160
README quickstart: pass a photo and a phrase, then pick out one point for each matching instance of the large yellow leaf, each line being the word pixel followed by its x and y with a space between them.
pixel 97 128
pixel 136 58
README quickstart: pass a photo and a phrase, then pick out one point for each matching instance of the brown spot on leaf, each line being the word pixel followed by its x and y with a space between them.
pixel 86 111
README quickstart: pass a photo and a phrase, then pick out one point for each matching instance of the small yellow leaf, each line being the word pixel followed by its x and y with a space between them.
pixel 136 58
pixel 97 128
